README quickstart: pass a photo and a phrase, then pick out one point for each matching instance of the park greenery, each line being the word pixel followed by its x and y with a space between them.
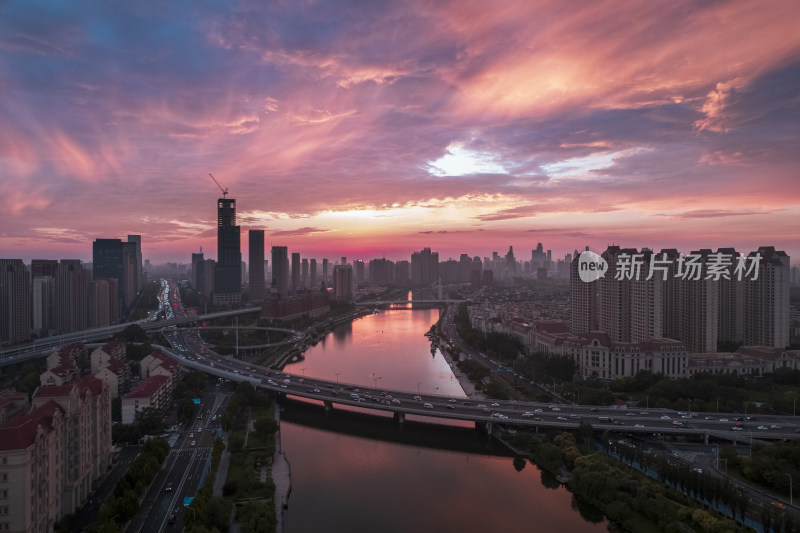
pixel 770 467
pixel 671 498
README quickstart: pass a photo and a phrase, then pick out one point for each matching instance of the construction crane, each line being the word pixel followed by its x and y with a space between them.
pixel 224 191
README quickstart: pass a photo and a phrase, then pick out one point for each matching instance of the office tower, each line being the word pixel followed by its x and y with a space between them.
pixel 228 270
pixel 107 262
pixel 280 270
pixel 136 240
pixel 244 270
pixel 343 283
pixel 295 271
pixel 44 267
pixel 103 303
pixel 360 270
pixel 344 260
pixel 206 270
pixel 43 304
pixel 583 300
pixel 72 283
pixel 402 273
pixel 312 275
pixel 304 274
pixel 325 271
pixel 197 258
pixel 15 302
pixel 766 317
pixel 258 289
pixel 130 274
pixel 424 267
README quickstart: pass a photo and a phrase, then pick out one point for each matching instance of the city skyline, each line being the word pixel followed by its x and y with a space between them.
pixel 373 131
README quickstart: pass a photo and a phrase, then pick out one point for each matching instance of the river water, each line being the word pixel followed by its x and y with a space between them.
pixel 357 473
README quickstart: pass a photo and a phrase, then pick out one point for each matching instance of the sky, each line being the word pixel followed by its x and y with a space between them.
pixel 374 129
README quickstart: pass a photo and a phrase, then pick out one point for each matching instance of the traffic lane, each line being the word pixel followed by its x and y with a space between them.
pixel 159 511
pixel 152 495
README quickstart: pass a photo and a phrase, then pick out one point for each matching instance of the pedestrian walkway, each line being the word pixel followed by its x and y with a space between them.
pixel 222 472
pixel 281 476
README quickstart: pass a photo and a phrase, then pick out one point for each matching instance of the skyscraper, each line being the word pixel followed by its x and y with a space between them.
pixel 137 261
pixel 228 270
pixel 766 300
pixel 197 259
pixel 325 271
pixel 15 302
pixel 312 276
pixel 295 271
pixel 280 270
pixel 424 267
pixel 256 253
pixel 304 274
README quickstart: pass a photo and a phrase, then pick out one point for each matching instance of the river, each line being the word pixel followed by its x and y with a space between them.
pixel 357 473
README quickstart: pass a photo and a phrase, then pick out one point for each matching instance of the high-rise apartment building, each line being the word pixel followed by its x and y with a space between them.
pixel 72 282
pixel 304 274
pixel 228 270
pixel 280 270
pixel 402 273
pixel 613 299
pixel 312 275
pixel 136 240
pixel 44 267
pixel 258 287
pixel 766 310
pixel 381 271
pixel 103 303
pixel 360 270
pixel 15 302
pixel 325 271
pixel 206 270
pixel 424 267
pixel 43 305
pixel 343 283
pixel 295 271
pixel 583 300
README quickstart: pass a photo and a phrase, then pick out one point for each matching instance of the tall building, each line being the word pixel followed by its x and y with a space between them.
pixel 197 258
pixel 424 267
pixel 43 305
pixel 228 270
pixel 646 303
pixel 304 274
pixel 583 300
pixel 72 283
pixel 15 302
pixel 312 275
pixel 295 271
pixel 205 277
pixel 381 271
pixel 107 262
pixel 766 309
pixel 402 273
pixel 343 283
pixel 136 240
pixel 280 270
pixel 44 267
pixel 325 271
pixel 258 287
pixel 360 271
pixel 102 308
pixel 614 298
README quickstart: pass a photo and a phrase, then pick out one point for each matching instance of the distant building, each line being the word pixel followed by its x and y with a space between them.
pixel 228 270
pixel 382 271
pixel 72 283
pixel 424 267
pixel 280 270
pixel 15 302
pixel 295 271
pixel 257 284
pixel 158 364
pixel 43 305
pixel 402 273
pixel 343 283
pixel 65 364
pixel 197 260
pixel 103 303
pixel 310 303
pixel 110 366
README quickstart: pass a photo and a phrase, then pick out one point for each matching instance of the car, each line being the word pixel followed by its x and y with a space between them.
pixel 499 415
pixel 709 418
pixel 762 427
pixel 639 426
pixel 774 426
pixel 191 435
pixel 575 416
pixel 723 420
pixel 194 442
pixel 555 409
pixel 594 409
pixel 451 406
pixel 171 519
pixel 537 419
pixel 495 404
pixel 677 423
pixel 316 390
pixel 451 400
pixel 562 419
pixel 427 405
pixel 779 505
pixel 527 414
pixel 644 413
pixel 396 401
pixel 537 410
pixel 737 428
pixel 168 488
pixel 665 417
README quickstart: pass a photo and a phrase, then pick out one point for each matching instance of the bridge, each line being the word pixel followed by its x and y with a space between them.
pixel 487 413
pixel 379 303
pixel 45 345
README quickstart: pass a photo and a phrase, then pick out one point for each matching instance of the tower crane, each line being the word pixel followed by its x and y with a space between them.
pixel 224 191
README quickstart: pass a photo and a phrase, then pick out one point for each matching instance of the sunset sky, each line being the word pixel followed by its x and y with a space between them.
pixel 371 129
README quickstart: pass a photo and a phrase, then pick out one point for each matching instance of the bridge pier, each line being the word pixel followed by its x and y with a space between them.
pixel 400 418
pixel 328 405
pixel 705 438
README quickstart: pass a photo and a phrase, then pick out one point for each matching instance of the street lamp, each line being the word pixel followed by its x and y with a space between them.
pixel 418 389
pixel 790 487
pixel 375 379
pixel 304 372
pixel 337 377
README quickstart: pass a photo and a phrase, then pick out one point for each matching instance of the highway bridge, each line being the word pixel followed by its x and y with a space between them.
pixel 491 412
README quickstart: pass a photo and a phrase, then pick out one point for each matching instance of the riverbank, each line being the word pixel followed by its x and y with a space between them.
pixel 466 384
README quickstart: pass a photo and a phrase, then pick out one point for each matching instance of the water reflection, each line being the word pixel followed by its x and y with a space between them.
pixel 355 472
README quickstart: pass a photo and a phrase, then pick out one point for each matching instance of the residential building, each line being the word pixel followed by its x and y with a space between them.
pixel 15 302
pixel 257 284
pixel 343 283
pixel 153 392
pixel 280 270
pixel 72 282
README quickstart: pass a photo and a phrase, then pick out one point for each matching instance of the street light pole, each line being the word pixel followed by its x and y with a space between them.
pixel 419 392
pixel 790 487
pixel 337 377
